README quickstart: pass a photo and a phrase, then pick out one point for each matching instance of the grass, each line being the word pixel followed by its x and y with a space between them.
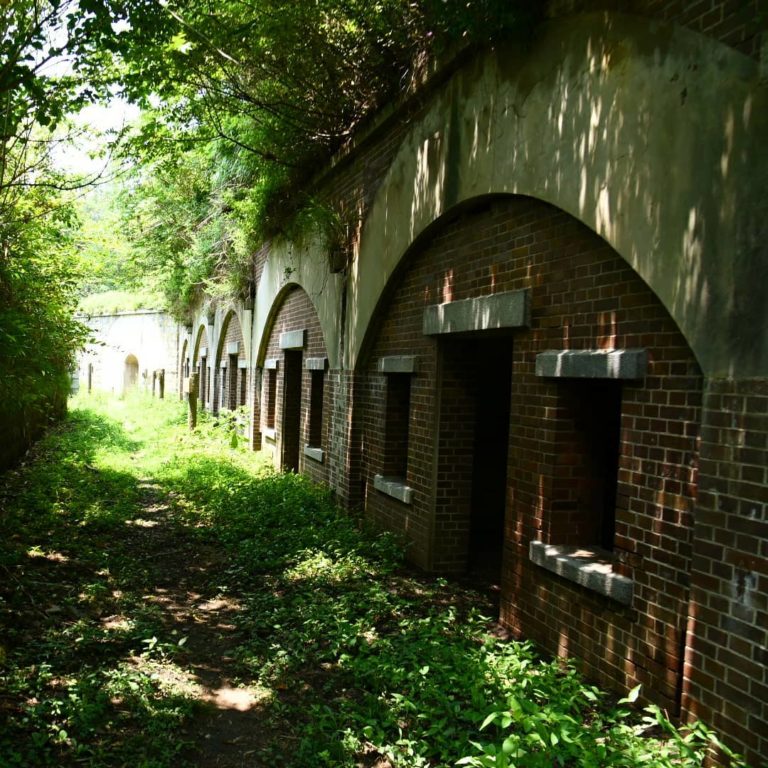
pixel 109 302
pixel 149 573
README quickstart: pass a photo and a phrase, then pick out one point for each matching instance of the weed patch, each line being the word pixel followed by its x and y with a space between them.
pixel 168 600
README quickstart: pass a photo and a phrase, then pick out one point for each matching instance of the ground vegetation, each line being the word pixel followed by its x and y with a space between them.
pixel 237 616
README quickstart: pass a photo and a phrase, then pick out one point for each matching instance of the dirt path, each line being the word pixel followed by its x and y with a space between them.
pixel 146 598
pixel 186 584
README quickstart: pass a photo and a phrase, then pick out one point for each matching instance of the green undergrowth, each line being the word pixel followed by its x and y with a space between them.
pixel 357 662
pixel 110 302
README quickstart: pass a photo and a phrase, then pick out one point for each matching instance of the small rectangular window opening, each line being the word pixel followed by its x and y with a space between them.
pixel 203 380
pixel 594 408
pixel 243 386
pixel 396 425
pixel 317 383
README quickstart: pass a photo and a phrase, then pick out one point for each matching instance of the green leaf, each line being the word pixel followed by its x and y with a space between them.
pixel 632 696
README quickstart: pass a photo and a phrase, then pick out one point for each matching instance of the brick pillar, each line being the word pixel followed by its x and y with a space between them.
pixel 343 441
pixel 726 665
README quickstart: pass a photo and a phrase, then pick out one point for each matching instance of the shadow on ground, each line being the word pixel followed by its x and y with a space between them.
pixel 200 614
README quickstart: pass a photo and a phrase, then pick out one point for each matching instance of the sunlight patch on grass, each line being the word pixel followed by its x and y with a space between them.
pixel 139 522
pixel 241 699
pixel 117 624
pixel 168 677
pixel 51 556
pixel 321 568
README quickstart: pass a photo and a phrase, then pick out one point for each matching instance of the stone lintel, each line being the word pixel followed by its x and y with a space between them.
pixel 397 364
pixel 271 363
pixel 394 487
pixel 593 363
pixel 269 434
pixel 590 567
pixel 233 347
pixel 292 339
pixel 223 363
pixel 242 363
pixel 314 453
pixel 316 363
pixel 483 313
pixel 203 351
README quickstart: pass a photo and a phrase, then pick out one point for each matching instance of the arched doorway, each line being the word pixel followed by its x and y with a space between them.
pixel 295 393
pixel 200 364
pixel 130 374
pixel 231 373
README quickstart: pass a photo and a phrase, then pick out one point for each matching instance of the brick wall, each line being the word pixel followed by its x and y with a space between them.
pixel 583 297
pixel 737 23
pixel 344 443
pixel 297 313
pixel 727 656
pixel 197 365
pixel 259 260
pixel 228 382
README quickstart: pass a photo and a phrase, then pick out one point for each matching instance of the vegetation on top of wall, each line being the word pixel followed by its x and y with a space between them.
pixel 110 302
pixel 245 102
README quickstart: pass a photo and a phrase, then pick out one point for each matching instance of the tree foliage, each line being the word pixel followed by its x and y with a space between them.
pixel 258 96
pixel 38 333
pixel 244 103
pixel 102 250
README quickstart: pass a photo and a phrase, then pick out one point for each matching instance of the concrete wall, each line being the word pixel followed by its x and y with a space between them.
pixel 648 133
pixel 148 337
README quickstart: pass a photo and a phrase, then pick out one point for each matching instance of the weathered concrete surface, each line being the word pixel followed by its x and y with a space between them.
pixel 128 343
pixel 308 267
pixel 648 133
pixel 593 364
pixel 486 313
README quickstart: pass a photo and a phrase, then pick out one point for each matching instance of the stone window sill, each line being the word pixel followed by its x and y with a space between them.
pixel 394 487
pixel 589 567
pixel 314 453
pixel 269 434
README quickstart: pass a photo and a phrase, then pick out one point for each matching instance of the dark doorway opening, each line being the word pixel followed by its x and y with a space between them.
pixel 492 391
pixel 291 437
pixel 203 380
pixel 470 505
